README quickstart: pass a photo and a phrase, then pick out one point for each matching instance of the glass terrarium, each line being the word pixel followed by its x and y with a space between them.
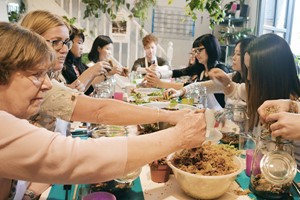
pixel 273 167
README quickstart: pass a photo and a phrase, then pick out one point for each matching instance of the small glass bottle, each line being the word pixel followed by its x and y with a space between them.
pixel 233 123
pixel 273 167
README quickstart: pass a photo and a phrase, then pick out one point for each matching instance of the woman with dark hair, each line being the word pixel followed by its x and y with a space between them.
pixel 73 66
pixel 101 49
pixel 207 52
pixel 239 75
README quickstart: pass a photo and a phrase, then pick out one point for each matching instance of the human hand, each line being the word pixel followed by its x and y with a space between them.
pixel 286 125
pixel 125 71
pixel 219 77
pixel 280 105
pixel 79 86
pixel 191 130
pixel 101 68
pixel 172 93
pixel 151 78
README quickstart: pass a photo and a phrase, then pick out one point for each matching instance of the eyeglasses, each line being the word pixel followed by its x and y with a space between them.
pixel 198 50
pixel 58 44
pixel 39 77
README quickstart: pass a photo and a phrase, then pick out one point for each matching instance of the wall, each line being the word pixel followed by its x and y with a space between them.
pixel 3 11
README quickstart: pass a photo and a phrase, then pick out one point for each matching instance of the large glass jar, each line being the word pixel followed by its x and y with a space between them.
pixel 273 167
pixel 233 122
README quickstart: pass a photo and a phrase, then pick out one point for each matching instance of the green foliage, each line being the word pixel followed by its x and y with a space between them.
pixel 232 36
pixel 71 21
pixel 84 58
pixel 111 7
pixel 141 7
pixel 14 16
pixel 213 8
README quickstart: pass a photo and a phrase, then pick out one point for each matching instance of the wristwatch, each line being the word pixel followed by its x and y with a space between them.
pixel 29 195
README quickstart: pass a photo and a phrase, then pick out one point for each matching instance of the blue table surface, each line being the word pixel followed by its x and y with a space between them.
pixel 58 193
pixel 136 193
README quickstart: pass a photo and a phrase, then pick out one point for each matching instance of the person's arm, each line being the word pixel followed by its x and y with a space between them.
pixel 36 189
pixel 108 111
pixel 153 81
pixel 66 160
pixel 88 76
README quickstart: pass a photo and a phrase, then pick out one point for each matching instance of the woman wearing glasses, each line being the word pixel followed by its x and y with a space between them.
pixel 207 51
pixel 35 154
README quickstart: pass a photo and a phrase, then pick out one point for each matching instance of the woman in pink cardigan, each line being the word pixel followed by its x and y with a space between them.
pixel 35 154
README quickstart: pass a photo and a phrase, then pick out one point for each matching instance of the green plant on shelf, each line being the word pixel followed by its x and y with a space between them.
pixel 231 35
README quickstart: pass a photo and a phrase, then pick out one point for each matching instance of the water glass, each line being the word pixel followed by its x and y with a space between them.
pixel 199 94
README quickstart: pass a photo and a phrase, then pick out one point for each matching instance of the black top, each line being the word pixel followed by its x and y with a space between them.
pixel 69 73
pixel 197 69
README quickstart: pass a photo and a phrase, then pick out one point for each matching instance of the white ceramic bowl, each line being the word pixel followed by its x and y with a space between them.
pixel 204 187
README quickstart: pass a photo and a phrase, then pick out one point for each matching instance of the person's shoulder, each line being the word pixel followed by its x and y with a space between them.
pixel 140 60
pixel 223 67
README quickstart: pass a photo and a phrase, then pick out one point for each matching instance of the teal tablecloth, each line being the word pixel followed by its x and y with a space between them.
pixel 136 193
pixel 243 180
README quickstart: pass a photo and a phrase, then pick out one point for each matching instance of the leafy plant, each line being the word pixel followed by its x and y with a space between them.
pixel 71 21
pixel 14 16
pixel 233 35
pixel 216 13
pixel 141 7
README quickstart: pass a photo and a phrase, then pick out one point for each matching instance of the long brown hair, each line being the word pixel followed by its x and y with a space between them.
pixel 272 71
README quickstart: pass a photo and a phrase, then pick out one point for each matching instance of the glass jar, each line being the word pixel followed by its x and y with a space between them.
pixel 200 96
pixel 102 90
pixel 273 167
pixel 233 122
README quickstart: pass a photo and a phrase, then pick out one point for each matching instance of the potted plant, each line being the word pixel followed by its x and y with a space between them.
pixel 160 170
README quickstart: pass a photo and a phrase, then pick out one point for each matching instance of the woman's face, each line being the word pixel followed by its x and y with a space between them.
pixel 201 55
pixel 105 52
pixel 77 47
pixel 59 33
pixel 23 95
pixel 236 59
pixel 247 63
pixel 150 50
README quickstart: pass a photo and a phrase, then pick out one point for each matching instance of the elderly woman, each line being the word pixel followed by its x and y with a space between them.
pixel 35 154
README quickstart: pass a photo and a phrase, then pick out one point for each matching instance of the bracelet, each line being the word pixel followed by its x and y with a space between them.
pixel 30 195
pixel 160 76
pixel 228 85
pixel 293 107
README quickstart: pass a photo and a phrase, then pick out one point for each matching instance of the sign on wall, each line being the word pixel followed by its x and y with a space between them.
pixel 172 23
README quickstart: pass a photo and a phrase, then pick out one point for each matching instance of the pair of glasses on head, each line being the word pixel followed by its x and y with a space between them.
pixel 38 78
pixel 198 50
pixel 58 44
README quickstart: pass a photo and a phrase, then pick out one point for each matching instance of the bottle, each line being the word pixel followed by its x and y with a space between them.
pixel 233 123
pixel 273 167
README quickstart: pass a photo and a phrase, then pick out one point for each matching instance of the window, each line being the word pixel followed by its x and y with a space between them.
pixel 295 36
pixel 279 17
